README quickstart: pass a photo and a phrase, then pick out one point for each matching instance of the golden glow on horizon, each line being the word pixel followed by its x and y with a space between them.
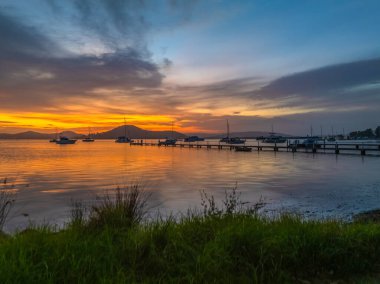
pixel 48 122
pixel 98 122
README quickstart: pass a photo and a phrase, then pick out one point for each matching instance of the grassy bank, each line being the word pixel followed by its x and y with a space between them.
pixel 114 244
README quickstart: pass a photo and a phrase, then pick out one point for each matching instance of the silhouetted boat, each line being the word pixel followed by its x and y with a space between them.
pixel 231 140
pixel 88 137
pixel 64 140
pixel 168 141
pixel 272 138
pixel 193 139
pixel 123 139
pixel 307 143
pixel 54 140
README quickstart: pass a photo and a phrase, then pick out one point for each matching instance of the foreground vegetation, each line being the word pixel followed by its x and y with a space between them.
pixel 111 242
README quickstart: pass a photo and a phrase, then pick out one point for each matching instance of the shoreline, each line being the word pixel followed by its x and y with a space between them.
pixel 113 241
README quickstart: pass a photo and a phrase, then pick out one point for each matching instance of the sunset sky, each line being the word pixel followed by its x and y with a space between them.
pixel 292 64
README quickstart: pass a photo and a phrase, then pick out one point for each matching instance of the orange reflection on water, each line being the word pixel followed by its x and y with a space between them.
pixel 49 176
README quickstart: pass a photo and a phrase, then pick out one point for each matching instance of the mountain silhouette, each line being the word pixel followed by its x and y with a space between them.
pixel 137 133
pixel 38 135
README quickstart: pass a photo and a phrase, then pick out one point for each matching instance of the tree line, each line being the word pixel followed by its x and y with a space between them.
pixel 369 133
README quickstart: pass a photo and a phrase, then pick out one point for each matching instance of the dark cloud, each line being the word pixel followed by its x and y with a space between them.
pixel 32 75
pixel 326 79
pixel 342 84
pixel 124 23
pixel 19 41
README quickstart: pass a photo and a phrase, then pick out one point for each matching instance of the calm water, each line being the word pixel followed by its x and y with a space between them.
pixel 47 177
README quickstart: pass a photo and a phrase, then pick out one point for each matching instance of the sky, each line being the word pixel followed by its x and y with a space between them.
pixel 293 65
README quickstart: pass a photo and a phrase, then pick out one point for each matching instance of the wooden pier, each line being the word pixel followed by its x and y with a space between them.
pixel 327 148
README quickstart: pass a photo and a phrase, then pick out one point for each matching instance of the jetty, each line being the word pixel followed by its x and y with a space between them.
pixel 323 148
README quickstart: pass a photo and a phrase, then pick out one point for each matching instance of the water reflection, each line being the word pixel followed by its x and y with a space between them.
pixel 48 176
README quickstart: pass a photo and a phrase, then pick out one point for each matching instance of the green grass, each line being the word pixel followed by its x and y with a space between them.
pixel 229 248
pixel 223 246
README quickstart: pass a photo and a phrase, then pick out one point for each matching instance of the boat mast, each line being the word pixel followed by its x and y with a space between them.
pixel 125 128
pixel 228 129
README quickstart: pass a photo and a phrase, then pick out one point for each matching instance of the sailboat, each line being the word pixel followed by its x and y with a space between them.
pixel 55 139
pixel 331 138
pixel 88 137
pixel 273 138
pixel 168 141
pixel 231 140
pixel 63 140
pixel 123 139
pixel 193 139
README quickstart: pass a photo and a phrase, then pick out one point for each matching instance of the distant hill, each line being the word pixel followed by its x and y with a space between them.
pixel 137 133
pixel 131 130
pixel 37 135
pixel 247 134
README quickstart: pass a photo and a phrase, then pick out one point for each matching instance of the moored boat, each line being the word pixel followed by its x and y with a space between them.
pixel 193 139
pixel 274 139
pixel 167 142
pixel 231 140
pixel 64 140
pixel 55 139
pixel 306 143
pixel 123 139
pixel 88 138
